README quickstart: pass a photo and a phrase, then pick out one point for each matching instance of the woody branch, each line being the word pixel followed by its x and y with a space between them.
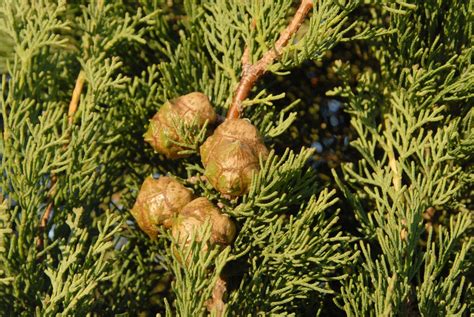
pixel 252 72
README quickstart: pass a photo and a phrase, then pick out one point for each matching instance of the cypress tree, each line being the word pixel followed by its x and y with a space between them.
pixel 236 158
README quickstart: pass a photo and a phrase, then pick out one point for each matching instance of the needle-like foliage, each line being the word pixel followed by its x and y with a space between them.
pixel 387 235
pixel 408 186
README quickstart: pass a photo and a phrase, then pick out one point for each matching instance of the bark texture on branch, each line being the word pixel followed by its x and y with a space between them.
pixel 252 72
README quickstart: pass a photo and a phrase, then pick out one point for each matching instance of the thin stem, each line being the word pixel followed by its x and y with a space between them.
pixel 252 72
pixel 76 94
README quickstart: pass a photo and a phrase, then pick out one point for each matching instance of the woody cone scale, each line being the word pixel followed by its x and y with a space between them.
pixel 158 201
pixel 231 155
pixel 195 214
pixel 191 109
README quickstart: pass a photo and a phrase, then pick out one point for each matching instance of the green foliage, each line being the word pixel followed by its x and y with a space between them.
pixel 407 117
pixel 39 143
pixel 196 271
pixel 292 260
pixel 294 253
pixel 327 26
pixel 80 266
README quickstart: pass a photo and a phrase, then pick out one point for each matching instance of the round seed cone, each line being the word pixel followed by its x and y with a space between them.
pixel 193 216
pixel 158 201
pixel 193 108
pixel 231 155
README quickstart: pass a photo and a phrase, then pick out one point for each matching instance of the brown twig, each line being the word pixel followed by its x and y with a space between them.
pixel 252 72
pixel 216 303
pixel 76 94
pixel 246 60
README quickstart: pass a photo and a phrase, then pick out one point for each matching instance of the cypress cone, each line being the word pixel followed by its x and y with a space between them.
pixel 231 155
pixel 158 201
pixel 193 108
pixel 194 215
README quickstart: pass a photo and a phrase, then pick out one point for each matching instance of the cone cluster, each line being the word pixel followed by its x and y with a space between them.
pixel 230 156
pixel 165 202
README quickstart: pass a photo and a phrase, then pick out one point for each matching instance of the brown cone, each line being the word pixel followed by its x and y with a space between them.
pixel 158 201
pixel 193 108
pixel 194 215
pixel 231 155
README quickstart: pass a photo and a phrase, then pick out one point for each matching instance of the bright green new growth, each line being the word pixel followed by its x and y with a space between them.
pixel 409 108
